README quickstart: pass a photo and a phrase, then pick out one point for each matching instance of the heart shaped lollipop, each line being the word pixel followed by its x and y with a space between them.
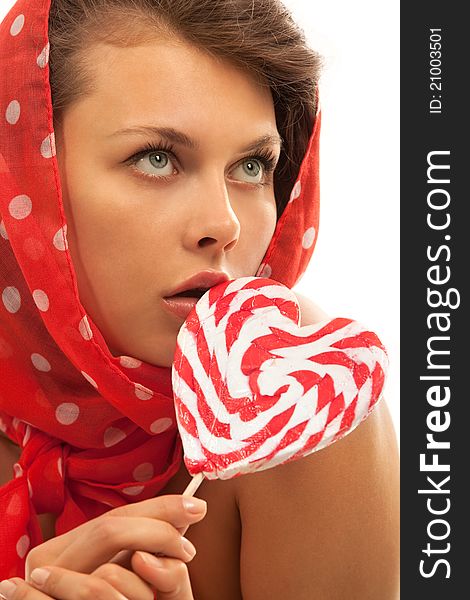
pixel 254 390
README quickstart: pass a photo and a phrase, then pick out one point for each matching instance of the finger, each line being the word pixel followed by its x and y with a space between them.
pixel 177 510
pixel 18 589
pixel 123 558
pixel 125 581
pixel 63 584
pixel 110 535
pixel 169 576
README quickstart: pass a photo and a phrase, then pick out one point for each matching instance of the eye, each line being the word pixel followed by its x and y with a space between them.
pixel 258 170
pixel 156 163
pixel 252 169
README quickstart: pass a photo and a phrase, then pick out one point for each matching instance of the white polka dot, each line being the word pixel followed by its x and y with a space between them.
pixel 22 546
pixel 15 422
pixel 41 300
pixel 40 363
pixel 14 506
pixel 48 146
pixel 133 490
pixel 3 427
pixel 308 238
pixel 12 113
pixel 3 231
pixel 67 413
pixel 27 435
pixel 17 470
pixel 129 362
pixel 17 25
pixel 142 392
pixel 113 436
pixel 90 379
pixel 11 299
pixel 143 472
pixel 43 58
pixel 85 329
pixel 295 191
pixel 59 465
pixel 30 489
pixel 161 425
pixel 265 271
pixel 60 239
pixel 107 503
pixel 20 207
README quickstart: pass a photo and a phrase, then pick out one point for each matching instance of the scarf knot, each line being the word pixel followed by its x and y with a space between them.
pixel 42 465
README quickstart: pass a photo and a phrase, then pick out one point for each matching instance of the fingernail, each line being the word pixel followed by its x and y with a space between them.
pixel 188 547
pixel 194 505
pixel 39 576
pixel 151 560
pixel 7 588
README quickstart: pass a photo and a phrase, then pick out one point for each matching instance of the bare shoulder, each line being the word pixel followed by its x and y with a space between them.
pixel 325 526
pixel 310 312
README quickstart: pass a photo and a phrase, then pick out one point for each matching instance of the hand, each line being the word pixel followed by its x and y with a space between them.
pixel 169 577
pixel 91 556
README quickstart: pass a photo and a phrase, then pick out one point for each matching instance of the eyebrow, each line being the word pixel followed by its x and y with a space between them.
pixel 178 137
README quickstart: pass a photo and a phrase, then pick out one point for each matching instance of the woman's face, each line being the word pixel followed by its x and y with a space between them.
pixel 141 221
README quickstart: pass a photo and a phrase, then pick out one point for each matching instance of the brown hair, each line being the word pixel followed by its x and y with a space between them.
pixel 258 35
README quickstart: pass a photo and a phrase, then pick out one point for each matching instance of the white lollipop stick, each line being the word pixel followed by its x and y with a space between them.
pixel 193 485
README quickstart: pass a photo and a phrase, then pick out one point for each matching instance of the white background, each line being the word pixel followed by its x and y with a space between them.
pixel 354 270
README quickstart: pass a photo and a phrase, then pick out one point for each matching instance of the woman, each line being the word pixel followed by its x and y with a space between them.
pixel 154 147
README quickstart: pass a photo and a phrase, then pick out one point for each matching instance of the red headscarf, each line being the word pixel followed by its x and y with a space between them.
pixel 95 431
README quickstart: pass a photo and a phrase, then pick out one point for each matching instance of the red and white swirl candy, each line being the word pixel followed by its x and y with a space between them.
pixel 254 390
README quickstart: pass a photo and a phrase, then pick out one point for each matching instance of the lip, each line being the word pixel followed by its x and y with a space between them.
pixel 203 279
pixel 182 306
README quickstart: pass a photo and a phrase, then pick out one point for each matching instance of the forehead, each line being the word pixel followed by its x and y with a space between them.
pixel 174 81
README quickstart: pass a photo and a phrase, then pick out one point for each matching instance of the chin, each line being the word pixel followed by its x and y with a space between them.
pixel 162 358
pixel 155 348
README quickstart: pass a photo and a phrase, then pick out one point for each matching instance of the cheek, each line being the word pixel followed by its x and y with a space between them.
pixel 106 247
pixel 263 225
pixel 257 229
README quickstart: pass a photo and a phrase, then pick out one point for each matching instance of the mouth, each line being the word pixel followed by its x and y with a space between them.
pixel 191 293
pixel 184 297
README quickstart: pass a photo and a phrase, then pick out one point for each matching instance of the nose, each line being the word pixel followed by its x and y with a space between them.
pixel 213 223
